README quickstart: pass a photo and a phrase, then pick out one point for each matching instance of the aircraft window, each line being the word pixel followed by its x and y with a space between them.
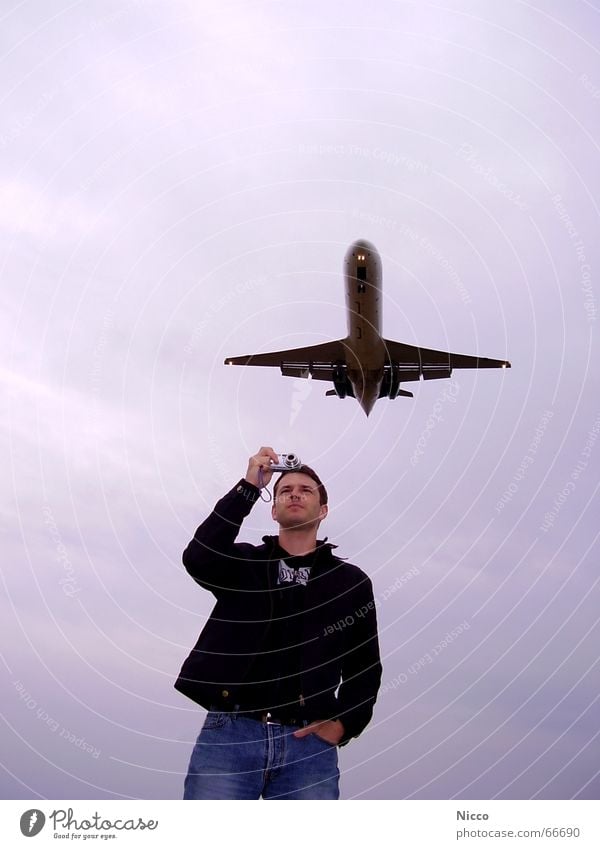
pixel 361 272
pixel 359 332
pixel 358 307
pixel 361 288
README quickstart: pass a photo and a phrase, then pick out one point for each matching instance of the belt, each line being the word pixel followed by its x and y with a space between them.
pixel 266 717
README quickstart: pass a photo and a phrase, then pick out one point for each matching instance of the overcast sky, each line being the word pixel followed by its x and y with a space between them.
pixel 179 182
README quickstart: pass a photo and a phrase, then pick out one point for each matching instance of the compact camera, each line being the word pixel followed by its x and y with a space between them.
pixel 287 463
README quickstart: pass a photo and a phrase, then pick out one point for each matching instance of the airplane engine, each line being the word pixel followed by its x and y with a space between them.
pixel 390 385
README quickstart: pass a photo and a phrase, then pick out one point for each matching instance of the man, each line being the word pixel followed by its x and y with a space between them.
pixel 291 622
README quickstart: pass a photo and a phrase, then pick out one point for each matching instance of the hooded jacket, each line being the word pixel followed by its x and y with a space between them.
pixel 341 669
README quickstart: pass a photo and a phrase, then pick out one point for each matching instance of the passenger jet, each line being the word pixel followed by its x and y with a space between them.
pixel 364 365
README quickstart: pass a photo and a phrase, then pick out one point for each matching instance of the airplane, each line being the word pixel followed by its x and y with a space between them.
pixel 364 365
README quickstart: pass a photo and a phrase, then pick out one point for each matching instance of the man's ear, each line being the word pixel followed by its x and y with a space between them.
pixel 324 512
pixel 273 511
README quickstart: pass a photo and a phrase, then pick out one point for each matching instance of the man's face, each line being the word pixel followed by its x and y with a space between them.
pixel 297 504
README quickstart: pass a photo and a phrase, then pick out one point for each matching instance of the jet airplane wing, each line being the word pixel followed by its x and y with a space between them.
pixel 317 361
pixel 415 363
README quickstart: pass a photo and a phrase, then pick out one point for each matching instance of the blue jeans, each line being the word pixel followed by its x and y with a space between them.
pixel 239 758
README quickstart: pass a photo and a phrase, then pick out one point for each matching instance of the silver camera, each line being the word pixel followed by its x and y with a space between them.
pixel 287 463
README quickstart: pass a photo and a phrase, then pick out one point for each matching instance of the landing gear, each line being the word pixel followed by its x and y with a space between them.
pixel 340 381
pixel 394 382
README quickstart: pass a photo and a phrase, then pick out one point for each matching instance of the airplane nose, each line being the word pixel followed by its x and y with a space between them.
pixel 362 246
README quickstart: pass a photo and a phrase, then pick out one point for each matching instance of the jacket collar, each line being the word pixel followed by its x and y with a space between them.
pixel 324 550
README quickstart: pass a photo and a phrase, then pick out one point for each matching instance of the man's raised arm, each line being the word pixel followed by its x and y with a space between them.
pixel 210 558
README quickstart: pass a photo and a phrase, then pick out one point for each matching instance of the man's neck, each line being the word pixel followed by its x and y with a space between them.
pixel 298 542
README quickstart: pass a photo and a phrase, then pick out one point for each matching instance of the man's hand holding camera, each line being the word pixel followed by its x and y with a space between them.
pixel 258 466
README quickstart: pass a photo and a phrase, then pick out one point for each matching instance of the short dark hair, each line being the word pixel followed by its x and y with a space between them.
pixel 305 470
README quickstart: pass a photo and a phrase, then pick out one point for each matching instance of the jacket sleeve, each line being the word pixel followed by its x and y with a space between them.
pixel 361 666
pixel 212 558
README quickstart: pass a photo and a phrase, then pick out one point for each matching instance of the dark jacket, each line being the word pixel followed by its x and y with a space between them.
pixel 340 634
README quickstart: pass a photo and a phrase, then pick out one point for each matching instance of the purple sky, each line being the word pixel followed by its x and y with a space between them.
pixel 178 183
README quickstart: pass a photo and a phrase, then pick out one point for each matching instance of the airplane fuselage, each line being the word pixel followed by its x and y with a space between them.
pixel 362 273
